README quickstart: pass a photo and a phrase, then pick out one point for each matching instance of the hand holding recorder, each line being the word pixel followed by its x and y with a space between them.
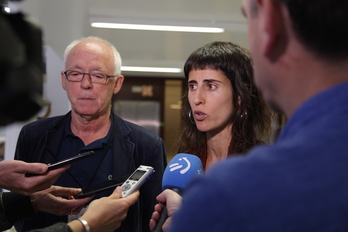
pixel 107 213
pixel 130 185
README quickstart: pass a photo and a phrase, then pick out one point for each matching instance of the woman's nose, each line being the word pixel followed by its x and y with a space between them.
pixel 198 97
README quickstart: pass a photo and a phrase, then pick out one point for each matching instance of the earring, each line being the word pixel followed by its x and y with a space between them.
pixel 190 117
pixel 244 114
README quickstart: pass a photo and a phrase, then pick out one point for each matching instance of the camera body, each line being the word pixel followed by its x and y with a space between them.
pixel 21 68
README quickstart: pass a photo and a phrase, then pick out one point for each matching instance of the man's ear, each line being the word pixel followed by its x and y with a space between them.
pixel 118 83
pixel 274 27
pixel 63 79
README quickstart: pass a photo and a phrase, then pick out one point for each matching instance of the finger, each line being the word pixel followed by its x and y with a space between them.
pixel 64 191
pixel 58 171
pixel 131 199
pixel 117 193
pixel 77 210
pixel 75 203
pixel 152 224
pixel 155 216
pixel 159 207
pixel 166 224
pixel 161 197
pixel 84 201
pixel 48 178
pixel 37 168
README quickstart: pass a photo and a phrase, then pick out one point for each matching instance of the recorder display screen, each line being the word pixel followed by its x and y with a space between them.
pixel 137 175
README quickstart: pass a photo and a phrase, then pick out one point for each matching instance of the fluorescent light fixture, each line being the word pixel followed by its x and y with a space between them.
pixel 150 69
pixel 157 27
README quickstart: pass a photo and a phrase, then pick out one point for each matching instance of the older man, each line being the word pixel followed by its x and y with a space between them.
pixel 91 77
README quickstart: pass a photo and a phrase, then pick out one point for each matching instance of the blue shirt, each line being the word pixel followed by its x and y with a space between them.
pixel 89 171
pixel 298 184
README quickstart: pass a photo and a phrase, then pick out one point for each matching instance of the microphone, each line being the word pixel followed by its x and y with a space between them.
pixel 178 173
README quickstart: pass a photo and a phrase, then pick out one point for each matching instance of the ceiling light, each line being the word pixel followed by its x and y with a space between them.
pixel 7 9
pixel 150 69
pixel 157 27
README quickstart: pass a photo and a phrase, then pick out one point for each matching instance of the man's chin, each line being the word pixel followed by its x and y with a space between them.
pixel 86 113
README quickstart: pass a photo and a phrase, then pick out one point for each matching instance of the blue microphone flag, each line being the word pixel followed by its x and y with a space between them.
pixel 180 170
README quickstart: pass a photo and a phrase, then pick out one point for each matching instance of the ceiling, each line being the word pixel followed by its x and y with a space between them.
pixel 65 20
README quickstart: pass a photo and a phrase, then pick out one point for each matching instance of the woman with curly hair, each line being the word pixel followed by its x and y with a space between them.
pixel 223 113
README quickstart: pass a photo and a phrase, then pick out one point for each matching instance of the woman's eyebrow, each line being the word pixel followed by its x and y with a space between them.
pixel 211 80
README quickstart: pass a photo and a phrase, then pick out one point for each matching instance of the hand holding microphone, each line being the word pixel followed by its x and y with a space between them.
pixel 180 170
pixel 169 203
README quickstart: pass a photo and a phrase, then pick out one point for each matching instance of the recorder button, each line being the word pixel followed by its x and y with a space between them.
pixel 126 187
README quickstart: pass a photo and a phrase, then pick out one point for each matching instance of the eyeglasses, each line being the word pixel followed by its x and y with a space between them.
pixel 96 77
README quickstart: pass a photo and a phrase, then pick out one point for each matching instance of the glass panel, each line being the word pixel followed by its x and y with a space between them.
pixel 142 113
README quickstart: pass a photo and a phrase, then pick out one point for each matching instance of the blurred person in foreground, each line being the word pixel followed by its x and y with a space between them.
pixel 223 113
pixel 300 55
pixel 91 77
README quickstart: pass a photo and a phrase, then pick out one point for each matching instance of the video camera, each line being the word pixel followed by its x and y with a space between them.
pixel 21 67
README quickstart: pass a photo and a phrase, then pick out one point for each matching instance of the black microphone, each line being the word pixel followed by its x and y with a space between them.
pixel 180 170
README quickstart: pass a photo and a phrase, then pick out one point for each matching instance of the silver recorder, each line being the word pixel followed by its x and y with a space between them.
pixel 136 180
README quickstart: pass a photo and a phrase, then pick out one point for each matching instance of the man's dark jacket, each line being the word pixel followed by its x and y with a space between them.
pixel 132 146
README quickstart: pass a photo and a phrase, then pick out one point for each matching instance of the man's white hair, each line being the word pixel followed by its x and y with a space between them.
pixel 117 56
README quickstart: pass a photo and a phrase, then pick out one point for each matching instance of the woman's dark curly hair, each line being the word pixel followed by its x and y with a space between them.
pixel 251 118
